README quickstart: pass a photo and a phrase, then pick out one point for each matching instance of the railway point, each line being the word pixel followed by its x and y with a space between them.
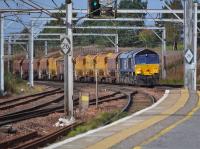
pixel 99 74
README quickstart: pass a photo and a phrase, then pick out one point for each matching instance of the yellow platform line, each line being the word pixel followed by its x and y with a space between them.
pixel 168 129
pixel 122 135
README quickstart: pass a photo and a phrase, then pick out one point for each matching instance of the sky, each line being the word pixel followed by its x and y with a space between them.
pixel 83 3
pixel 77 4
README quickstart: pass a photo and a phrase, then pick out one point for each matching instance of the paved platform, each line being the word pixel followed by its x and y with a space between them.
pixel 139 129
pixel 184 134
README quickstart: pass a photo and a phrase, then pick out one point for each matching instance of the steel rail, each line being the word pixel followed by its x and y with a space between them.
pixel 23 97
pixel 29 100
pixel 43 110
pixel 48 138
pixel 15 141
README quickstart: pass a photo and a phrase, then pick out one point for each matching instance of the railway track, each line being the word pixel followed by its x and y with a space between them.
pixel 60 84
pixel 15 103
pixel 4 102
pixel 33 139
pixel 50 107
pixel 39 141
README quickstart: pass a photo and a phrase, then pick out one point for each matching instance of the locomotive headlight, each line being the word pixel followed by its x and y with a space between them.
pixel 139 71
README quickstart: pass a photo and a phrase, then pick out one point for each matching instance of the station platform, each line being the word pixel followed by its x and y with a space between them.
pixel 142 129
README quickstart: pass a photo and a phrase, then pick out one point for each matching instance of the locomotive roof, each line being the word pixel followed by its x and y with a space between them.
pixel 134 52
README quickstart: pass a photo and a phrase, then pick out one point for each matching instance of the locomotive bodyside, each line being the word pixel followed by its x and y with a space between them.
pixel 126 67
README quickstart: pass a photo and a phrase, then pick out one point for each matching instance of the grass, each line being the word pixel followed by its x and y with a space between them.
pixel 12 84
pixel 15 85
pixel 172 82
pixel 98 121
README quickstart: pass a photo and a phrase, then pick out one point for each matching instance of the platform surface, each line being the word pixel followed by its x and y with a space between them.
pixel 140 130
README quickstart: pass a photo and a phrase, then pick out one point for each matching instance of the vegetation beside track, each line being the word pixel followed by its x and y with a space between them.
pixel 172 82
pixel 98 121
pixel 15 85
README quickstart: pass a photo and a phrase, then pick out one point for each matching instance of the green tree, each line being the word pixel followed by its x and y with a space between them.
pixel 126 38
pixel 147 37
pixel 173 30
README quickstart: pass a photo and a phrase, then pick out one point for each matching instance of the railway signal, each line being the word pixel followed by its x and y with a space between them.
pixel 94 8
pixel 102 8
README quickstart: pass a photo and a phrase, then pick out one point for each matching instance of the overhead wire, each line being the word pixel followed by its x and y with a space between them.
pixel 88 14
pixel 20 21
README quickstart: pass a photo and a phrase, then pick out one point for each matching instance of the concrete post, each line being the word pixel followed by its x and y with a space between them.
pixel 9 53
pixel 46 48
pixel 68 76
pixel 189 76
pixel 195 43
pixel 27 50
pixel 1 54
pixel 164 54
pixel 31 44
pixel 70 62
pixel 116 44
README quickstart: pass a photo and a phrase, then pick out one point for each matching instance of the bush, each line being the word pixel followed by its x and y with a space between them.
pixel 12 83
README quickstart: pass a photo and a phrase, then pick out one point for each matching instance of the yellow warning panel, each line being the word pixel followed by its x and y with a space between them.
pixel 85 98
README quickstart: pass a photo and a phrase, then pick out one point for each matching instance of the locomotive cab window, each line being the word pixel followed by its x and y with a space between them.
pixel 140 59
pixel 152 59
pixel 147 59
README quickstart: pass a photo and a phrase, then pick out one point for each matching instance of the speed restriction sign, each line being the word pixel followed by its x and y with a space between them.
pixel 65 44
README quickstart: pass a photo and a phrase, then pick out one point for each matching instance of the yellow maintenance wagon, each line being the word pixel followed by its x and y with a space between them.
pixel 102 65
pixel 80 71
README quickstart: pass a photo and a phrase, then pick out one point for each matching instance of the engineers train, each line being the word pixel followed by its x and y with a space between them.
pixel 137 67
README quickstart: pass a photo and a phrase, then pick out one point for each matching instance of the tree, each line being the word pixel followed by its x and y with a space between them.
pixel 126 38
pixel 147 37
pixel 173 30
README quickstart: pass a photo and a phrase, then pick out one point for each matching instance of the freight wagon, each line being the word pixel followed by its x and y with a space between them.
pixel 137 67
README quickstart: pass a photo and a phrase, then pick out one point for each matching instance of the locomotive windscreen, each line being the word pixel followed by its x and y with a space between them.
pixel 147 59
